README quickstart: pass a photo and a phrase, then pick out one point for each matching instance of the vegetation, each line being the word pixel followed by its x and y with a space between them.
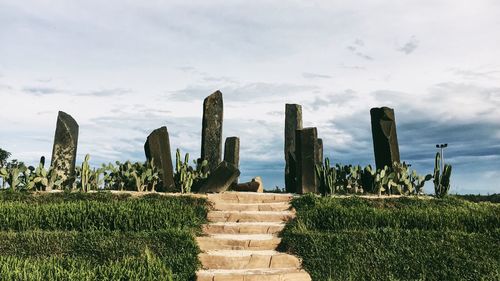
pixel 441 178
pixel 395 238
pixel 4 155
pixel 186 177
pixel 98 236
pixel 398 179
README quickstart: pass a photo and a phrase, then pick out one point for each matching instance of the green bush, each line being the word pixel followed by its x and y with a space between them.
pixel 144 268
pixel 81 212
pixel 177 249
pixel 332 214
pixel 395 254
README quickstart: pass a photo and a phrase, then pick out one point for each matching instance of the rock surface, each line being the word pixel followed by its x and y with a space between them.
pixel 211 132
pixel 385 139
pixel 157 147
pixel 242 238
pixel 306 146
pixel 293 122
pixel 65 146
pixel 220 179
pixel 232 152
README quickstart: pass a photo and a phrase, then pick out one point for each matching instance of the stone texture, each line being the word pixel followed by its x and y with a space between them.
pixel 293 122
pixel 306 145
pixel 223 206
pixel 221 178
pixel 250 216
pixel 157 146
pixel 211 134
pixel 232 152
pixel 385 139
pixel 256 185
pixel 319 151
pixel 247 198
pixel 65 146
pixel 243 228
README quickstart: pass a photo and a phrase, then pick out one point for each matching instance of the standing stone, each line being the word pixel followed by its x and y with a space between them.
pixel 221 178
pixel 385 139
pixel 319 151
pixel 232 152
pixel 211 134
pixel 64 149
pixel 293 122
pixel 157 147
pixel 306 146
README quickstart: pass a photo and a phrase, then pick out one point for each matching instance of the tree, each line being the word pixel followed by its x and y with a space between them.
pixel 4 155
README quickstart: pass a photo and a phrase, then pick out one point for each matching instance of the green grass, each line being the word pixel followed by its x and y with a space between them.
pixel 99 236
pixel 395 239
pixel 82 213
pixel 143 268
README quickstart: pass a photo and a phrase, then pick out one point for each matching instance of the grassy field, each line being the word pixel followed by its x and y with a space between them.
pixel 395 239
pixel 99 236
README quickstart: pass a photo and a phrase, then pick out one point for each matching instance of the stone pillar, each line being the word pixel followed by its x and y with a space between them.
pixel 385 139
pixel 232 152
pixel 306 146
pixel 293 122
pixel 319 151
pixel 211 134
pixel 64 149
pixel 157 147
pixel 221 178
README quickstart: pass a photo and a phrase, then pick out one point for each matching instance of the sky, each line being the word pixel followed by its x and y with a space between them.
pixel 124 68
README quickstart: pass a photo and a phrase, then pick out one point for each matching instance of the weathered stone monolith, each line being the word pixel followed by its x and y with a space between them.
pixel 232 152
pixel 293 122
pixel 221 178
pixel 319 151
pixel 385 139
pixel 64 149
pixel 157 147
pixel 211 134
pixel 306 146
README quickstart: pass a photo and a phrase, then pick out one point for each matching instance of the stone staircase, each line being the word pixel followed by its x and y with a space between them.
pixel 241 239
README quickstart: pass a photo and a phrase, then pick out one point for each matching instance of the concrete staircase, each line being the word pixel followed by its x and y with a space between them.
pixel 241 239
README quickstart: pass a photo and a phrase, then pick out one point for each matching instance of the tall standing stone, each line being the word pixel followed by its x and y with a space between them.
pixel 385 139
pixel 293 122
pixel 64 149
pixel 306 146
pixel 157 147
pixel 232 152
pixel 211 134
pixel 319 151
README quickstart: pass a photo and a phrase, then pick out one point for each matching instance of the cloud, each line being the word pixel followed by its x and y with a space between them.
pixel 355 49
pixel 409 46
pixel 309 75
pixel 471 74
pixel 41 91
pixel 106 92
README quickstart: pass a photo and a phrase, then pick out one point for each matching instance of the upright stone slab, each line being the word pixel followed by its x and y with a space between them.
pixel 64 149
pixel 157 147
pixel 293 122
pixel 221 178
pixel 319 151
pixel 211 134
pixel 306 146
pixel 232 152
pixel 385 139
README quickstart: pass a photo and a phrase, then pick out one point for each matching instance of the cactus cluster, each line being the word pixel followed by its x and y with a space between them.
pixel 397 179
pixel 441 178
pixel 186 176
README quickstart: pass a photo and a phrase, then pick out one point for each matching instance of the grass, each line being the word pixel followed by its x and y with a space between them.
pixel 99 236
pixel 395 239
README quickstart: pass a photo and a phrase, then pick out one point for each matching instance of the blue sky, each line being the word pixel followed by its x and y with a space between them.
pixel 124 68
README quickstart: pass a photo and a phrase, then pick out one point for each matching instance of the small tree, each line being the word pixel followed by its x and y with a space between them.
pixel 4 155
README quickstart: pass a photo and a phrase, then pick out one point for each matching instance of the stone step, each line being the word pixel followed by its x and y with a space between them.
pixel 254 242
pixel 250 216
pixel 282 274
pixel 249 197
pixel 224 206
pixel 243 228
pixel 228 259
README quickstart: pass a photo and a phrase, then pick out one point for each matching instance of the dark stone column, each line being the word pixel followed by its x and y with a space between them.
pixel 306 146
pixel 385 139
pixel 319 151
pixel 232 152
pixel 157 147
pixel 221 178
pixel 211 134
pixel 293 122
pixel 64 149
